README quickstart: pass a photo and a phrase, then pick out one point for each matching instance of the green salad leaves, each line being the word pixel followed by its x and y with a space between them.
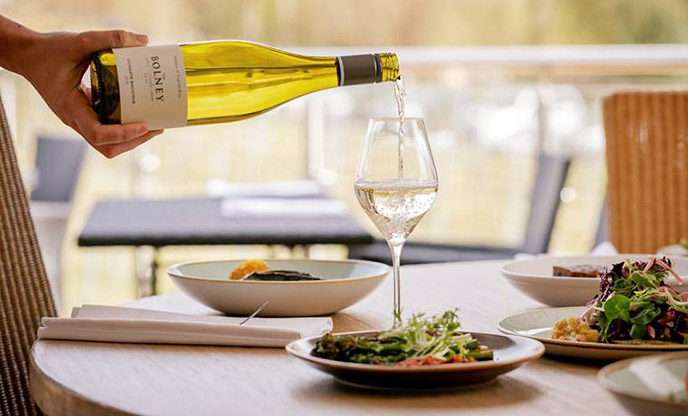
pixel 419 341
pixel 635 303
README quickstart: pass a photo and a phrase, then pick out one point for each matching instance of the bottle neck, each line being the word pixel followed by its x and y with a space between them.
pixel 367 69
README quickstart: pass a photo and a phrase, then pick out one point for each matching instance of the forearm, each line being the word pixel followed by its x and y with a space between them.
pixel 54 63
pixel 15 43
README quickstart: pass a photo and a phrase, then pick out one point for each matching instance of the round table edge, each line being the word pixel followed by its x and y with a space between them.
pixel 55 399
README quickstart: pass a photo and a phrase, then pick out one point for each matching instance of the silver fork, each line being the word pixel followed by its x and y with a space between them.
pixel 256 312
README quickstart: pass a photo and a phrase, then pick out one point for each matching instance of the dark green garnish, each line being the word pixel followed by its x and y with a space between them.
pixel 280 276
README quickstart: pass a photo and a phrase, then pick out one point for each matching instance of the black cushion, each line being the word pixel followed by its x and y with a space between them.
pixel 420 253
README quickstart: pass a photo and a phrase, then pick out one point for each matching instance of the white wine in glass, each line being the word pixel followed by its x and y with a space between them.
pixel 396 195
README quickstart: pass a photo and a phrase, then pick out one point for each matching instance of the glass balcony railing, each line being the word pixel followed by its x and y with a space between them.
pixel 489 112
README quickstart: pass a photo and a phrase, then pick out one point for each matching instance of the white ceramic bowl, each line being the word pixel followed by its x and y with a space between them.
pixel 535 279
pixel 673 250
pixel 652 385
pixel 346 282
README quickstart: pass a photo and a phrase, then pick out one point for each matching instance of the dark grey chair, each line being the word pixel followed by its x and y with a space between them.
pixel 602 235
pixel 58 163
pixel 549 180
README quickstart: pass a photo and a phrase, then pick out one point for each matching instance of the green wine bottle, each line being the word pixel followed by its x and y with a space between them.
pixel 219 81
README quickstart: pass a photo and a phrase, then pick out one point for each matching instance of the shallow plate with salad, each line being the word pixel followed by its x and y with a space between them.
pixel 635 312
pixel 422 353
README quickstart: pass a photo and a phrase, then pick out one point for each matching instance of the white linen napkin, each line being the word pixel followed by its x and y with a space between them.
pixel 132 325
pixel 271 207
pixel 605 248
pixel 296 188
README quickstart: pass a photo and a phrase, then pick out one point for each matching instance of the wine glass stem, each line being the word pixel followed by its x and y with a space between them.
pixel 396 259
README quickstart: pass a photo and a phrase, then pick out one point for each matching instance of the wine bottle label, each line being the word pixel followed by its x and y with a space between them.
pixel 152 85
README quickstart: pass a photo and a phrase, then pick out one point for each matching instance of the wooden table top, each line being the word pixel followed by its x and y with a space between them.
pixel 102 378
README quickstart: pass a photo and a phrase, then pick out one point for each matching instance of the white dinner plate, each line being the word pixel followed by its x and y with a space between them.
pixel 535 279
pixel 345 283
pixel 538 325
pixel 654 385
pixel 509 353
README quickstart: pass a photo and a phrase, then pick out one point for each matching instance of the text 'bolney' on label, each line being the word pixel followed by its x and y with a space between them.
pixel 152 85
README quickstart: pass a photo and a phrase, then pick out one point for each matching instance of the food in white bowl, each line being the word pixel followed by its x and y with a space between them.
pixel 343 284
pixel 579 270
pixel 248 267
pixel 260 270
pixel 535 277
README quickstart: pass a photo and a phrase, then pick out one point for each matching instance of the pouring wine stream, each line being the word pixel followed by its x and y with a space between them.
pixel 396 199
pixel 400 96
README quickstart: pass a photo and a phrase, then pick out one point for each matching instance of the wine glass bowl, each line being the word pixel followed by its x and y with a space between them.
pixel 396 183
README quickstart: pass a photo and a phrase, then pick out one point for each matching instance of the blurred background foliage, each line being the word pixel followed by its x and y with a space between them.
pixel 372 22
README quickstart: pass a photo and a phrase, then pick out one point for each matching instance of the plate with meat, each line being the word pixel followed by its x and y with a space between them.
pixel 572 280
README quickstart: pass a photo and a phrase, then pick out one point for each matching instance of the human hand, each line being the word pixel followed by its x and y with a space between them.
pixel 55 64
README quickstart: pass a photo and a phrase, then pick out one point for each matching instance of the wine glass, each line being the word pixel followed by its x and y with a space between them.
pixel 396 184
